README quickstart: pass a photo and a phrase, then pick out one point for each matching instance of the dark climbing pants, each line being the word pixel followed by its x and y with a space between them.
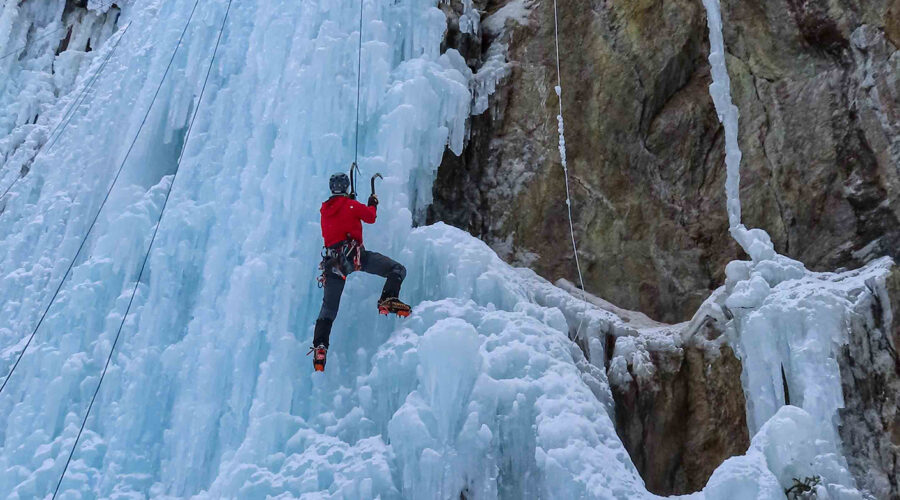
pixel 370 262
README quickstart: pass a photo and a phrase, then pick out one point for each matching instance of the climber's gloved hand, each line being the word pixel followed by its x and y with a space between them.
pixel 373 201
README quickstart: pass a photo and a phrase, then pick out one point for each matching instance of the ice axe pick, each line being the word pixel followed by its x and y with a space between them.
pixel 377 175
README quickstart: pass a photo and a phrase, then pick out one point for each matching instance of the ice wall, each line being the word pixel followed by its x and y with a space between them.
pixel 37 86
pixel 210 393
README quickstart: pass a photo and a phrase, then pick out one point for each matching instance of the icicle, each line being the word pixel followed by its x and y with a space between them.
pixel 756 242
pixel 562 137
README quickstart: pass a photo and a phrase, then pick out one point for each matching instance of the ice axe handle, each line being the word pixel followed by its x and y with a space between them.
pixel 373 181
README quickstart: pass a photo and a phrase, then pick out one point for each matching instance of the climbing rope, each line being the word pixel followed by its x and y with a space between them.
pixel 99 210
pixel 83 95
pixel 562 155
pixel 149 248
pixel 70 112
pixel 358 83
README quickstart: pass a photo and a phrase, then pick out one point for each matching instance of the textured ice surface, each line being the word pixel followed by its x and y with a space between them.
pixel 210 394
pixel 788 327
pixel 788 446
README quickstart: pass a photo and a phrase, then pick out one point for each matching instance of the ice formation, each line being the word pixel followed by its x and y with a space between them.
pixel 786 324
pixel 210 394
pixel 720 90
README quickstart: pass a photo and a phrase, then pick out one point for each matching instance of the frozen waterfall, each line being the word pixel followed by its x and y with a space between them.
pixel 210 393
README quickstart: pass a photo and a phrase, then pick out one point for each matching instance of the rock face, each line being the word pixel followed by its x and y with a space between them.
pixel 820 94
pixel 817 86
pixel 682 418
pixel 870 378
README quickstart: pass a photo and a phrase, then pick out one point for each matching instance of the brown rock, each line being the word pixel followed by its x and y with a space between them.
pixel 638 119
pixel 685 420
pixel 816 84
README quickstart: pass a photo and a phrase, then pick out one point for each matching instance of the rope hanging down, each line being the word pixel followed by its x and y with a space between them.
pixel 358 83
pixel 102 204
pixel 162 211
pixel 354 167
pixel 70 112
pixel 562 156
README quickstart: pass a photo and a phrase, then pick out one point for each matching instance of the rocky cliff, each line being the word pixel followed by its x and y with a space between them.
pixel 870 379
pixel 817 85
pixel 680 412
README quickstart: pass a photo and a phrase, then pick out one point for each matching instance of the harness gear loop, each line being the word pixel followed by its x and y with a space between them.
pixel 341 259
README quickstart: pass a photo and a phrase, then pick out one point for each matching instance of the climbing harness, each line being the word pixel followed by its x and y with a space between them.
pixel 60 127
pixel 341 259
pixel 152 239
pixel 562 155
pixel 102 204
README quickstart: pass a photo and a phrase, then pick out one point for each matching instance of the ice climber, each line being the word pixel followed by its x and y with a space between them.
pixel 342 218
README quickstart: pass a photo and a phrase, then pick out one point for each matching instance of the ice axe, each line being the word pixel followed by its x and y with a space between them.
pixel 354 169
pixel 373 181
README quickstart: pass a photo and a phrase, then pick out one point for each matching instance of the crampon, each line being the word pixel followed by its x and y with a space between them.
pixel 319 354
pixel 394 305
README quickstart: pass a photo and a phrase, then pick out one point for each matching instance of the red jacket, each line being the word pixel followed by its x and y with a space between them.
pixel 341 217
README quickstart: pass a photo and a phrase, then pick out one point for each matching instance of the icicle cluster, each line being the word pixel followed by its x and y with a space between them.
pixel 562 135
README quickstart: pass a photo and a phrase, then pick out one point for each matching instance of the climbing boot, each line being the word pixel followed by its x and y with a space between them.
pixel 318 353
pixel 393 305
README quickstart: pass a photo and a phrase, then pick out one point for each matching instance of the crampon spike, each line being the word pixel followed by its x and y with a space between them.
pixel 318 357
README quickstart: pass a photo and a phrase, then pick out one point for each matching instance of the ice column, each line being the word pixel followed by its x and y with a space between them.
pixel 720 90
